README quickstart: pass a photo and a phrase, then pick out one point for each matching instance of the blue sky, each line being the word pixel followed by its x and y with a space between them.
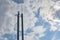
pixel 18 1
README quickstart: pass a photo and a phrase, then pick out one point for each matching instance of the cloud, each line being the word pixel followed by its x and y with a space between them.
pixel 9 17
pixel 4 6
pixel 28 37
pixel 36 30
pixel 29 19
pixel 53 28
pixel 48 14
pixel 39 29
pixel 5 39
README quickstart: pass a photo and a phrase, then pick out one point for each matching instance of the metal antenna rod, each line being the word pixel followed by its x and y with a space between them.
pixel 22 26
pixel 18 26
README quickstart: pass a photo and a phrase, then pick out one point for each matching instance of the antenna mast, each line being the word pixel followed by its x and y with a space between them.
pixel 18 26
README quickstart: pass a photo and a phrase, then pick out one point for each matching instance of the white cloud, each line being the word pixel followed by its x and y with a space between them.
pixel 29 19
pixel 46 12
pixel 10 19
pixel 58 28
pixel 5 39
pixel 39 29
pixel 53 28
pixel 36 30
pixel 31 37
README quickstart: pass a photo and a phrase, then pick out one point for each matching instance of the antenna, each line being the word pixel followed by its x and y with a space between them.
pixel 18 26
pixel 22 26
pixel 20 2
